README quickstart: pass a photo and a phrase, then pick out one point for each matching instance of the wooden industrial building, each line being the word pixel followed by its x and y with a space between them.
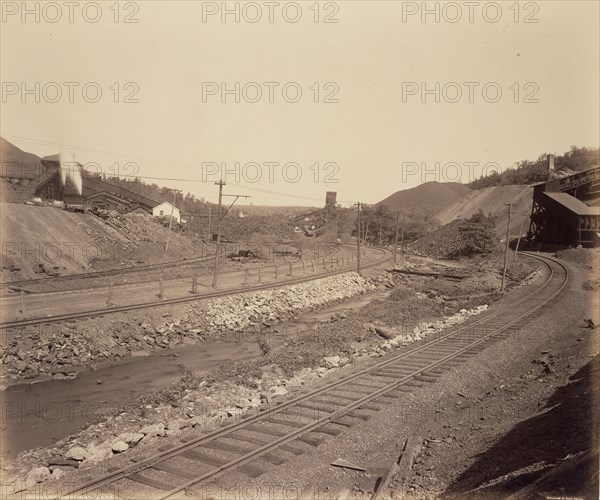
pixel 566 211
pixel 95 193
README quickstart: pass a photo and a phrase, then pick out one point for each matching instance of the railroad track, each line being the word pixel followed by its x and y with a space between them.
pixel 178 300
pixel 109 272
pixel 291 427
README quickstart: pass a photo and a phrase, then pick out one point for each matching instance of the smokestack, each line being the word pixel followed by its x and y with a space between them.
pixel 550 163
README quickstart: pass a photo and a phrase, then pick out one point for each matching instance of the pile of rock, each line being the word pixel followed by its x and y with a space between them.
pixel 61 350
pixel 238 312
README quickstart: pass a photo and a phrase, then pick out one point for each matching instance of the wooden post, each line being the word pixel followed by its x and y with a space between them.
pixel 161 291
pixel 216 266
pixel 194 284
pixel 259 275
pixel 396 238
pixel 246 277
pixel 22 294
pixel 276 270
pixel 303 266
pixel 313 265
pixel 506 248
pixel 358 241
pixel 519 238
pixel 291 269
pixel 324 266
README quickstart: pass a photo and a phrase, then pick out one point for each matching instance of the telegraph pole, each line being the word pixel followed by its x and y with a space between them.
pixel 221 183
pixel 209 214
pixel 175 191
pixel 215 270
pixel 396 238
pixel 506 248
pixel 358 241
pixel 402 240
pixel 519 238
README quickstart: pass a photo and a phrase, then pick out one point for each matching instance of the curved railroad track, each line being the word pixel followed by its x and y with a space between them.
pixel 386 255
pixel 286 428
pixel 107 273
pixel 161 266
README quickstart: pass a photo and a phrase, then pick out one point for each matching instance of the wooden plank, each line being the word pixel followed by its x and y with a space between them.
pixel 402 466
pixel 413 446
pixel 175 470
pixel 159 485
pixel 200 456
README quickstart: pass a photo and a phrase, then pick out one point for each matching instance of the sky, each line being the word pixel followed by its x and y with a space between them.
pixel 288 100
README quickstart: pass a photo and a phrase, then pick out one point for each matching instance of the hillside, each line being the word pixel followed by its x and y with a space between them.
pixel 9 153
pixel 493 200
pixel 66 242
pixel 430 195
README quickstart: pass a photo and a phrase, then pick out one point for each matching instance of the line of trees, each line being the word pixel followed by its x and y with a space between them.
pixel 379 224
pixel 530 172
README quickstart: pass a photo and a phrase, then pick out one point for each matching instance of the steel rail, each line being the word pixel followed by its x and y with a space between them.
pixel 377 392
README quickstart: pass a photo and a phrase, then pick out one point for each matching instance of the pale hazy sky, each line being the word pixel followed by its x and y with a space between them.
pixel 366 60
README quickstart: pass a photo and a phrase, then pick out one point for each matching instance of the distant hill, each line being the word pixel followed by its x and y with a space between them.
pixel 430 195
pixel 11 154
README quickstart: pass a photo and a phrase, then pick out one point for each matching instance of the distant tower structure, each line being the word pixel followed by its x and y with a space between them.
pixel 330 200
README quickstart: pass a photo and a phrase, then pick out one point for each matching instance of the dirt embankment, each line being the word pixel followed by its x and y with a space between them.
pixel 47 241
pixel 493 200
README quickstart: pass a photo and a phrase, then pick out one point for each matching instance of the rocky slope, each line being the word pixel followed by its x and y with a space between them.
pixel 493 200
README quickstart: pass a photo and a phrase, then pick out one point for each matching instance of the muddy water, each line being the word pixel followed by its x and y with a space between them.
pixel 39 414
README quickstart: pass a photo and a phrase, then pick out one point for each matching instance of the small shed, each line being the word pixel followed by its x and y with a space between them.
pixel 165 209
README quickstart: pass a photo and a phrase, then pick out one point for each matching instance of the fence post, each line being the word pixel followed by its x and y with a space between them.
pixel 194 284
pixel 303 266
pixel 161 294
pixel 324 265
pixel 313 266
pixel 259 276
pixel 246 277
pixel 291 269
pixel 276 270
pixel 22 294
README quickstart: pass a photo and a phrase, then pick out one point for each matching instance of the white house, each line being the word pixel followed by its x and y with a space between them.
pixel 164 210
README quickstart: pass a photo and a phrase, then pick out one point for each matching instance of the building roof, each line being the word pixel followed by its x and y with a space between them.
pixel 573 204
pixel 165 203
